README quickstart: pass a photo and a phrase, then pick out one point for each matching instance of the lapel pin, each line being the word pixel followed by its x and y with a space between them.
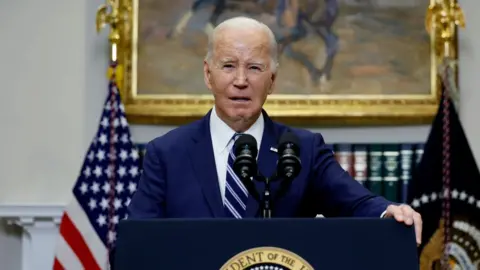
pixel 273 149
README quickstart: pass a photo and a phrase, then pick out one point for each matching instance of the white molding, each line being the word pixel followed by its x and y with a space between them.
pixel 23 215
pixel 39 225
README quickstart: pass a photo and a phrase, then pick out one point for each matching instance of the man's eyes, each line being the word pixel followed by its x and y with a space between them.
pixel 253 67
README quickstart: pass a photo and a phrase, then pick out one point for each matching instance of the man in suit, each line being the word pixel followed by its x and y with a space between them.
pixel 187 172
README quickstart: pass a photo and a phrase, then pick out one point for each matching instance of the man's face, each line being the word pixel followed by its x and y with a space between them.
pixel 239 74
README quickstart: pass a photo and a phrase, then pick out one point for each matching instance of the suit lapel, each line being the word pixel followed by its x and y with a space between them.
pixel 267 162
pixel 204 167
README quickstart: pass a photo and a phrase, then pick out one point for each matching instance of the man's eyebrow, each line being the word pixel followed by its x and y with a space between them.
pixel 253 62
pixel 261 63
pixel 226 60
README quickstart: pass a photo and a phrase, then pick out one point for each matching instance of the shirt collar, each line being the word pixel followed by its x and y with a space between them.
pixel 221 133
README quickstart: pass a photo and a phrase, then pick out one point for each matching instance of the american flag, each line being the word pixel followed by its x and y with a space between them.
pixel 102 192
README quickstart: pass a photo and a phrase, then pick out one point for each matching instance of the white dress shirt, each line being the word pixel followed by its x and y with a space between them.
pixel 221 135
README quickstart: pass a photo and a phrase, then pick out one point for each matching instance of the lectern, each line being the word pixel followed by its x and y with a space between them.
pixel 296 244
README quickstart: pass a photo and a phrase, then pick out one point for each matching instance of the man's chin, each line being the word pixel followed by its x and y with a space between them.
pixel 243 114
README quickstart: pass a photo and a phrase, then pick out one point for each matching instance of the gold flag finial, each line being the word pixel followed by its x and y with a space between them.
pixel 442 19
pixel 113 13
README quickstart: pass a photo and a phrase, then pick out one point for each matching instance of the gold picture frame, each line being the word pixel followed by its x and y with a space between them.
pixel 306 110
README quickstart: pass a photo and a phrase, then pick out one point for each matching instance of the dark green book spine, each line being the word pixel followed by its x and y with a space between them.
pixel 375 174
pixel 391 168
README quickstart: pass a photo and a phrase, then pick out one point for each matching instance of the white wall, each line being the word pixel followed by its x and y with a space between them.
pixel 469 65
pixel 52 70
pixel 44 99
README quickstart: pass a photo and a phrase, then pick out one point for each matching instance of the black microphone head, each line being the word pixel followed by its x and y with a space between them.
pixel 289 164
pixel 245 141
pixel 245 162
pixel 290 140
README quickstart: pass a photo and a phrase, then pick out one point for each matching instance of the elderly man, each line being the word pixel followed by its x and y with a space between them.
pixel 187 172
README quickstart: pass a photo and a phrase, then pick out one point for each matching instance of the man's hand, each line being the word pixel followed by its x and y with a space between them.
pixel 404 213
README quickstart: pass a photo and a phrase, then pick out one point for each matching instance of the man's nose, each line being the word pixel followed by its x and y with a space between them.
pixel 241 80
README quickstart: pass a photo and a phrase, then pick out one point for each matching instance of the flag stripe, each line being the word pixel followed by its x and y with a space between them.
pixel 57 265
pixel 73 237
pixel 66 256
pixel 78 217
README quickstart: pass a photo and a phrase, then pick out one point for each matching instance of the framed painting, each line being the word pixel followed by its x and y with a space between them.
pixel 341 61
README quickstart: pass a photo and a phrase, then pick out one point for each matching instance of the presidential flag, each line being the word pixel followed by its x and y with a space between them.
pixel 105 184
pixel 445 190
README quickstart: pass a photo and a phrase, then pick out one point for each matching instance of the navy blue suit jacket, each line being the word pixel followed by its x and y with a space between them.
pixel 179 178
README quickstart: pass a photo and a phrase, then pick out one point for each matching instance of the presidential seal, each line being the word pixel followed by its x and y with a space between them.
pixel 464 248
pixel 266 258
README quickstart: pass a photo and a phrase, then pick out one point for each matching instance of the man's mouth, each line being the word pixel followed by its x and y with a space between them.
pixel 240 99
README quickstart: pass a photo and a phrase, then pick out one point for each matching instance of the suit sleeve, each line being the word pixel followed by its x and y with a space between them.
pixel 336 192
pixel 148 200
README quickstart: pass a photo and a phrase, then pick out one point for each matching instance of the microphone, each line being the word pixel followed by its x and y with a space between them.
pixel 289 164
pixel 245 150
pixel 245 163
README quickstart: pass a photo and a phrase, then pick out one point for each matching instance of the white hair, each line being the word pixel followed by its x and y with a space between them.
pixel 245 23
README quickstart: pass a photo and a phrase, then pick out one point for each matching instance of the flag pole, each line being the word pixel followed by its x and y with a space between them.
pixel 442 21
pixel 113 13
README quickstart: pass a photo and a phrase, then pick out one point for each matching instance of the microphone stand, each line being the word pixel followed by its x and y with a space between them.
pixel 266 199
pixel 267 208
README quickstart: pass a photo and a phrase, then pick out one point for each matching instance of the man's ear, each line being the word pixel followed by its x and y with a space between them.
pixel 206 74
pixel 272 83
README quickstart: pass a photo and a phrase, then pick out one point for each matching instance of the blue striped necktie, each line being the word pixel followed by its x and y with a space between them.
pixel 236 194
